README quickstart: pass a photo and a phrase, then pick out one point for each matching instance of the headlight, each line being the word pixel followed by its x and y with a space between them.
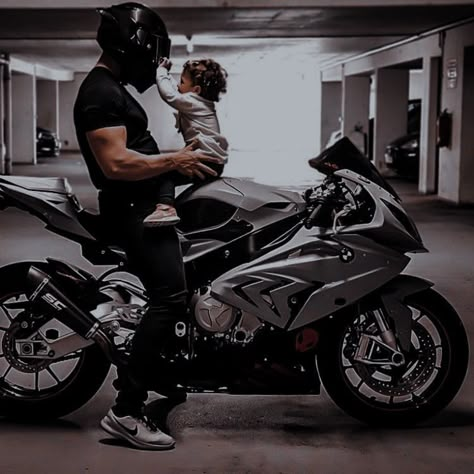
pixel 39 136
pixel 412 144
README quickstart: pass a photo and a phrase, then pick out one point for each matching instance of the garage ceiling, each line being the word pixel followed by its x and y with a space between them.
pixel 64 37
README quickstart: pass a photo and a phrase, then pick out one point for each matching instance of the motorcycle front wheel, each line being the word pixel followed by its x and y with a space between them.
pixel 385 395
pixel 37 388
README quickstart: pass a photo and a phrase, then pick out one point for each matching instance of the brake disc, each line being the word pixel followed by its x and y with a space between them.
pixel 410 377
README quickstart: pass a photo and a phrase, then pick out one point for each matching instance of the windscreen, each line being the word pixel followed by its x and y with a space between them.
pixel 345 155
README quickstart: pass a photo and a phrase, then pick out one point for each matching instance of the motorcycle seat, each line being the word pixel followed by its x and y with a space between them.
pixel 105 246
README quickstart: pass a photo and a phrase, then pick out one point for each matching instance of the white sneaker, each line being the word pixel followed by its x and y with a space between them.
pixel 140 432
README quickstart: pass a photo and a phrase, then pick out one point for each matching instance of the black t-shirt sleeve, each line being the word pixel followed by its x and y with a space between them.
pixel 102 107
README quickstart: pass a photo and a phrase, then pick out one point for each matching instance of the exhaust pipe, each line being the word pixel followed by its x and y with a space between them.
pixel 48 296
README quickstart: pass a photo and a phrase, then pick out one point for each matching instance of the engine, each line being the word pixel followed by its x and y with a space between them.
pixel 221 320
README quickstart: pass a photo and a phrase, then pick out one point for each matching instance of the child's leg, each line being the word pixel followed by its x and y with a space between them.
pixel 165 212
pixel 166 189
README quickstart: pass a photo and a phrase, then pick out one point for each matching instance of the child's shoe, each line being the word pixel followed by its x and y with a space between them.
pixel 163 215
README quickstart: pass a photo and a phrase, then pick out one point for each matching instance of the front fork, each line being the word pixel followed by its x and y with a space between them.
pixel 386 333
pixel 380 350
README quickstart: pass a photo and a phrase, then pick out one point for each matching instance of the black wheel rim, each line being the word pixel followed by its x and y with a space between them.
pixel 24 379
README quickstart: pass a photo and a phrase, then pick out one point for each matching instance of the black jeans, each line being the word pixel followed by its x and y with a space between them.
pixel 154 256
pixel 167 182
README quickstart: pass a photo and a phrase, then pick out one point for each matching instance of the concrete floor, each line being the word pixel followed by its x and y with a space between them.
pixel 238 434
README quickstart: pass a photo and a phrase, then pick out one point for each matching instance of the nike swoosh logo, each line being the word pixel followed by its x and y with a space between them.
pixel 128 430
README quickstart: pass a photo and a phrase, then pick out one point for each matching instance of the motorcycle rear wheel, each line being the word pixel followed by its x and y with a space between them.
pixel 34 389
pixel 388 396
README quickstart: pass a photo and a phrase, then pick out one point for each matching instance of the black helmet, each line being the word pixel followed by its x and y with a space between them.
pixel 136 37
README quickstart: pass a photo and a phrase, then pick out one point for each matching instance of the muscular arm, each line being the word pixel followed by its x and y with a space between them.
pixel 109 146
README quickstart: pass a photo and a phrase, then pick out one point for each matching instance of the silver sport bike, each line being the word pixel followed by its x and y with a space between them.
pixel 287 291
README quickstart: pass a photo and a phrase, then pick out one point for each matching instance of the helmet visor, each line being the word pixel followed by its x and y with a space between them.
pixel 163 48
pixel 155 45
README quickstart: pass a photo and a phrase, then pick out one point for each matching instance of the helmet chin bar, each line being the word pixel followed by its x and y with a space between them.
pixel 139 74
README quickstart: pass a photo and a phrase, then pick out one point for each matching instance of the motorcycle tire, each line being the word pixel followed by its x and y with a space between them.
pixel 384 397
pixel 68 394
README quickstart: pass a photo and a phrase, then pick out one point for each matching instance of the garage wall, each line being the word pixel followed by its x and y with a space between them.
pixel 416 85
pixel 67 96
pixel 272 121
pixel 47 103
pixel 161 120
pixel 24 118
pixel 455 162
pixel 467 150
pixel 331 106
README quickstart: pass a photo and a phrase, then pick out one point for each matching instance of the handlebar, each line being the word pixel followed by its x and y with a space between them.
pixel 313 216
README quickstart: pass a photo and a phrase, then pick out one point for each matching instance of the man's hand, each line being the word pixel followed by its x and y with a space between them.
pixel 166 63
pixel 190 162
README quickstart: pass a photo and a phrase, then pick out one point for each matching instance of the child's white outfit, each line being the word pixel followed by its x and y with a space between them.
pixel 196 120
pixel 196 117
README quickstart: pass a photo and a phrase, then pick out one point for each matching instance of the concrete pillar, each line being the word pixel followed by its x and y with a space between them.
pixel 331 103
pixel 429 112
pixel 466 193
pixel 2 122
pixel 355 108
pixel 391 110
pixel 456 162
pixel 47 94
pixel 24 118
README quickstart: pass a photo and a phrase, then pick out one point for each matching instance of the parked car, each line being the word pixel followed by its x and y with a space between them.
pixel 47 143
pixel 403 155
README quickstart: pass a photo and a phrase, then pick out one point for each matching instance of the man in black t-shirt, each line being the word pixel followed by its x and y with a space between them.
pixel 123 160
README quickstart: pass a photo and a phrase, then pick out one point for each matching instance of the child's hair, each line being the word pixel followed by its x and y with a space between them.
pixel 209 75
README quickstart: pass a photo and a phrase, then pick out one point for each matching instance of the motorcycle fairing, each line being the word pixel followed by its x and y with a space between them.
pixel 50 199
pixel 246 195
pixel 265 286
pixel 390 224
pixel 256 206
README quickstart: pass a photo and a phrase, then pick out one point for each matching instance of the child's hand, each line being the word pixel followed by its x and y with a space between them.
pixel 166 63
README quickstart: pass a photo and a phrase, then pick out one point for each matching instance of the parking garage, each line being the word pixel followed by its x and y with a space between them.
pixel 394 76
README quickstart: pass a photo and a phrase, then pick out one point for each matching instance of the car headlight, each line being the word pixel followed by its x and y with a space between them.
pixel 412 144
pixel 39 136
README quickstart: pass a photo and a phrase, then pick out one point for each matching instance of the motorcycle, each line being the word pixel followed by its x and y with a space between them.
pixel 288 290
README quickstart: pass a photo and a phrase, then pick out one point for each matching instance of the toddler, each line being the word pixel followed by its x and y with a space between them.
pixel 202 81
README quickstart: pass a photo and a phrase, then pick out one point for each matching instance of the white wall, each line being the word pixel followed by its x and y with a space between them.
pixel 427 182
pixel 272 122
pixel 331 109
pixel 417 85
pixel 161 119
pixel 24 118
pixel 355 108
pixel 455 183
pixel 47 100
pixel 391 105
pixel 467 135
pixel 67 96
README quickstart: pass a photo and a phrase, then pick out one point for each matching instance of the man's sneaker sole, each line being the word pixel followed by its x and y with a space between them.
pixel 122 434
